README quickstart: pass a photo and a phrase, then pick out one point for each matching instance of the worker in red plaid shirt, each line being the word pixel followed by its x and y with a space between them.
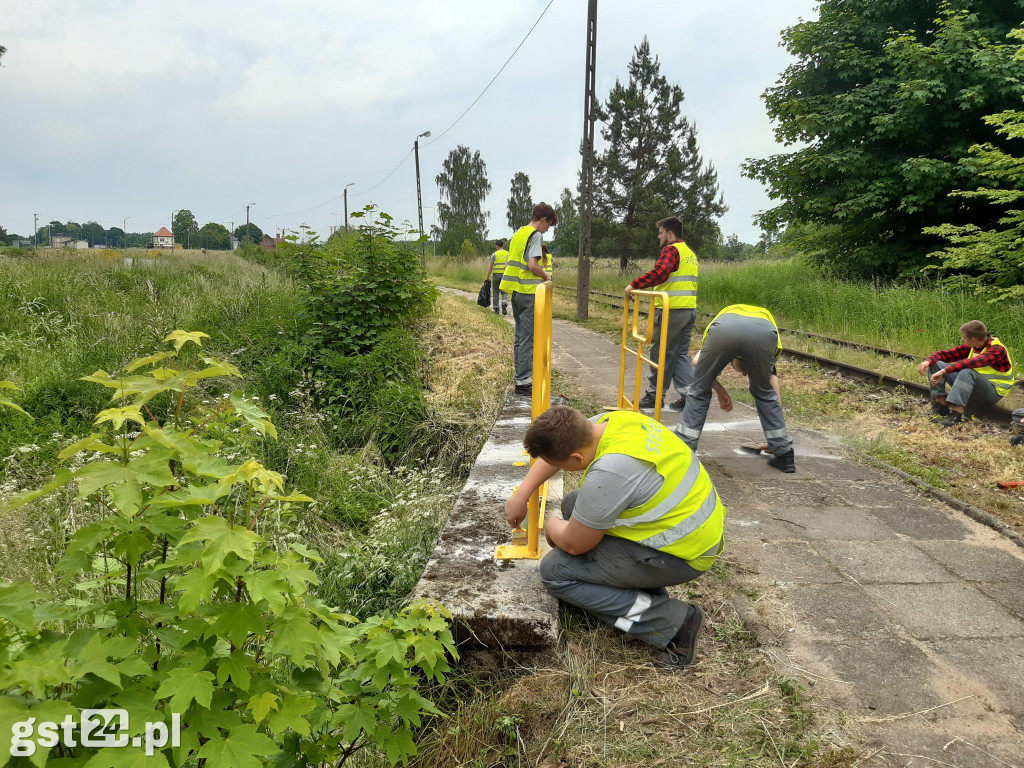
pixel 979 372
pixel 675 273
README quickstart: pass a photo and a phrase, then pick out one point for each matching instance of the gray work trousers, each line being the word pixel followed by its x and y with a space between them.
pixel 522 312
pixel 495 290
pixel 968 387
pixel 678 363
pixel 756 341
pixel 622 583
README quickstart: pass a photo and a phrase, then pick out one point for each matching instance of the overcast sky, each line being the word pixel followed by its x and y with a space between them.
pixel 134 108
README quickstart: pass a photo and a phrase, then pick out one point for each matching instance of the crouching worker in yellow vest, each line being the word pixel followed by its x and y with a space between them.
pixel 645 517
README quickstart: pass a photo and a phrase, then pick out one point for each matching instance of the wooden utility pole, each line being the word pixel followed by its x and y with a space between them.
pixel 587 174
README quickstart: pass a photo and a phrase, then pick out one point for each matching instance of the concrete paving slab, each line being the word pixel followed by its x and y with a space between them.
pixel 949 610
pixel 940 741
pixel 883 676
pixel 840 611
pixel 834 522
pixel 923 522
pixel 881 493
pixel 789 562
pixel 997 665
pixel 980 562
pixel 874 562
pixel 1010 596
pixel 495 604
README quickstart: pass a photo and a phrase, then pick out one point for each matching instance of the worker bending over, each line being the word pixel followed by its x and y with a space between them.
pixel 646 516
pixel 749 333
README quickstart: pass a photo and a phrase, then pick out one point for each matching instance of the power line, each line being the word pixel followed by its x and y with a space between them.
pixel 496 76
pixel 400 164
pixel 307 210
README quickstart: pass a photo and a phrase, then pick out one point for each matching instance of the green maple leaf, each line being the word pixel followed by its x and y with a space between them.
pixel 267 586
pixel 236 666
pixel 195 586
pixel 118 416
pixel 241 748
pixel 262 704
pixel 185 685
pixel 291 714
pixel 237 620
pixel 295 637
pixel 16 604
pixel 222 540
pixel 181 338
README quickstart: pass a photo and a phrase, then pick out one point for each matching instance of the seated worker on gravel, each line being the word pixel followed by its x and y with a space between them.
pixel 750 333
pixel 646 516
pixel 979 372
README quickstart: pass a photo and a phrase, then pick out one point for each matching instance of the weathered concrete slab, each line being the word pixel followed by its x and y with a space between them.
pixel 884 562
pixel 834 522
pixel 495 604
pixel 979 562
pixel 998 665
pixel 949 610
pixel 922 522
pixel 840 610
pixel 788 562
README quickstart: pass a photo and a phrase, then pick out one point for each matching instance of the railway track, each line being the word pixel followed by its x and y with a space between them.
pixel 994 413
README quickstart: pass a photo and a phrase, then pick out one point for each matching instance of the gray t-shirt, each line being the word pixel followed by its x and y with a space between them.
pixel 533 250
pixel 614 482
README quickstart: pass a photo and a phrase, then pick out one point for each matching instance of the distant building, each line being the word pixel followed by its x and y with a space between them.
pixel 60 241
pixel 163 238
pixel 272 242
pixel 21 243
pixel 82 245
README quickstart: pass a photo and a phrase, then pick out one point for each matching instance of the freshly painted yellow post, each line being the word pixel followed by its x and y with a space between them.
pixel 630 333
pixel 541 401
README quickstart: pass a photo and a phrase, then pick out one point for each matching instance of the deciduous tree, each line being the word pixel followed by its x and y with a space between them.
pixel 463 186
pixel 887 96
pixel 651 167
pixel 185 228
pixel 214 236
pixel 520 205
pixel 255 234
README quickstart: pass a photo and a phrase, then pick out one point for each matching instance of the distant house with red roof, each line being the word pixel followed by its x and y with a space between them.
pixel 163 238
pixel 272 242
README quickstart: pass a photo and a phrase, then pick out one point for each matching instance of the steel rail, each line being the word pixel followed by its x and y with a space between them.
pixel 990 413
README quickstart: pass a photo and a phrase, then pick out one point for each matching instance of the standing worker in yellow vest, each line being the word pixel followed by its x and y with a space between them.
pixel 676 273
pixel 523 273
pixel 748 337
pixel 979 371
pixel 497 267
pixel 646 516
pixel 546 263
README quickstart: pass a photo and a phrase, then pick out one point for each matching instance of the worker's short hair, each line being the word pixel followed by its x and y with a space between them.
pixel 974 329
pixel 499 243
pixel 673 225
pixel 558 433
pixel 544 211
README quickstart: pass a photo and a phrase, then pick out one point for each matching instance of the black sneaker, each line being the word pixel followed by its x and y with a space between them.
pixel 939 411
pixel 679 405
pixel 524 389
pixel 647 402
pixel 1016 440
pixel 785 462
pixel 954 419
pixel 681 648
pixel 504 309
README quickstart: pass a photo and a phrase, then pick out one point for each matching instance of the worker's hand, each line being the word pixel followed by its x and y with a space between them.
pixel 629 291
pixel 516 510
pixel 937 377
pixel 725 402
pixel 923 368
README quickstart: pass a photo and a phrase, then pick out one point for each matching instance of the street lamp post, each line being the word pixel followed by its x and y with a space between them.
pixel 248 237
pixel 124 228
pixel 419 196
pixel 346 203
pixel 35 230
pixel 173 214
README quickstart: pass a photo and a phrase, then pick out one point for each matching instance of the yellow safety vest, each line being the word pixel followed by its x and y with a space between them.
pixel 500 257
pixel 1001 380
pixel 545 264
pixel 518 278
pixel 681 285
pixel 685 517
pixel 748 310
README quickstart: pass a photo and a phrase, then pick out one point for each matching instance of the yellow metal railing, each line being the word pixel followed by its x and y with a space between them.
pixel 630 332
pixel 526 543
